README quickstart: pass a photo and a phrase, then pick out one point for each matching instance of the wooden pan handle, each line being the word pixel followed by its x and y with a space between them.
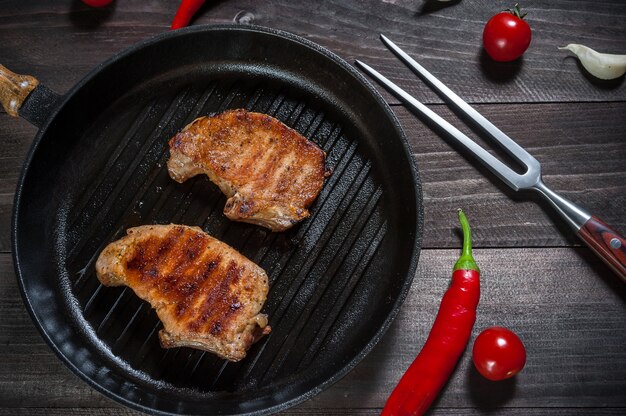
pixel 607 243
pixel 14 88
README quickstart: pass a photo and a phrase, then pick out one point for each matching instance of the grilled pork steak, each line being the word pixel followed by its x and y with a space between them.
pixel 269 172
pixel 207 294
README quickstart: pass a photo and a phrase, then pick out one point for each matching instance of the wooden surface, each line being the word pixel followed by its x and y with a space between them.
pixel 568 308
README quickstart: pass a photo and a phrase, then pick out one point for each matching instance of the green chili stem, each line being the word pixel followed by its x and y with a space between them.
pixel 466 261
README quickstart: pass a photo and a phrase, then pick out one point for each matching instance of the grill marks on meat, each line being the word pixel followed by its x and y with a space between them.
pixel 207 294
pixel 270 173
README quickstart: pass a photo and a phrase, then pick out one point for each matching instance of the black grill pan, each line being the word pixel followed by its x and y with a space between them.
pixel 97 167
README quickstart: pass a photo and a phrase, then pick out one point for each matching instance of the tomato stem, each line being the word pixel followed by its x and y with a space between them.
pixel 516 11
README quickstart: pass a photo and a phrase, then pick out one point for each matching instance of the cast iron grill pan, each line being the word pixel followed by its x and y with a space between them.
pixel 98 167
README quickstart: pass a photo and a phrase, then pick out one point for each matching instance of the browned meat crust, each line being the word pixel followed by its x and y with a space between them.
pixel 269 172
pixel 207 294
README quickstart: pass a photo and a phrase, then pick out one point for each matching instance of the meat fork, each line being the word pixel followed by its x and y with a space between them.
pixel 602 239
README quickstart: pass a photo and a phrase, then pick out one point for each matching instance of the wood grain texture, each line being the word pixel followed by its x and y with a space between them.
pixel 77 411
pixel 447 40
pixel 14 88
pixel 537 278
pixel 74 411
pixel 582 152
pixel 581 148
pixel 563 303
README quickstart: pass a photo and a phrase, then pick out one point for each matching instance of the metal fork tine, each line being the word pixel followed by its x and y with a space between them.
pixel 577 217
pixel 511 146
pixel 496 166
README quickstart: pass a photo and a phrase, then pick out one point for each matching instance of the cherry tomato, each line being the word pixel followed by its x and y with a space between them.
pixel 498 353
pixel 97 3
pixel 506 36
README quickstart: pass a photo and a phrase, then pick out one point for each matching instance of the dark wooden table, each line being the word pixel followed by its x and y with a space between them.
pixel 537 279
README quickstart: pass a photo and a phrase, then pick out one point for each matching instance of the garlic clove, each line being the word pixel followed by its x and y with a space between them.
pixel 600 65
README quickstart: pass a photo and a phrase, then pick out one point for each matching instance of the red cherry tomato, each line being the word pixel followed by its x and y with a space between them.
pixel 498 353
pixel 506 35
pixel 97 3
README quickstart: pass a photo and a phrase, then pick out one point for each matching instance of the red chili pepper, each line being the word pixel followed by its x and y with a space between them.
pixel 185 12
pixel 447 340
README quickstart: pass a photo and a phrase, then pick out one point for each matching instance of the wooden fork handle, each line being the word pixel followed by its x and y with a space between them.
pixel 607 243
pixel 14 88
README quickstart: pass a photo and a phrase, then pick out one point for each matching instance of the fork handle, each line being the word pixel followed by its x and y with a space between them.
pixel 607 243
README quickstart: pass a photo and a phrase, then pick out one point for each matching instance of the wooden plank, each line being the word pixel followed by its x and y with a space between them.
pixel 567 311
pixel 16 136
pixel 117 411
pixel 508 411
pixel 582 152
pixel 65 411
pixel 564 304
pixel 447 40
pixel 581 148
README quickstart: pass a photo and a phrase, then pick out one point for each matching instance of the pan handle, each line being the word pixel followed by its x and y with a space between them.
pixel 14 88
